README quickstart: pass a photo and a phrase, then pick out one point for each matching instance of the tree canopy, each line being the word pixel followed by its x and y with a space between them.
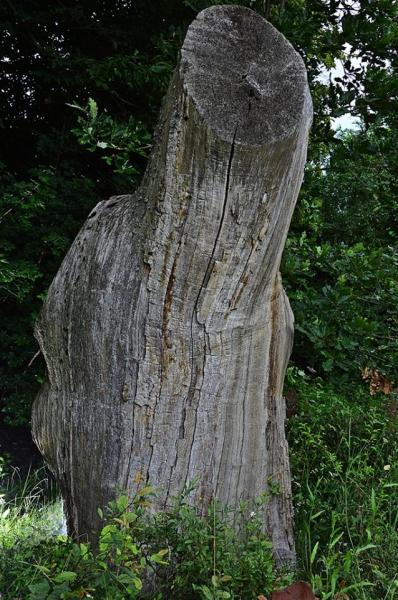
pixel 81 89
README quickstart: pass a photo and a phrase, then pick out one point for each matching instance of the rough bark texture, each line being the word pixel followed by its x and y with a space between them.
pixel 166 331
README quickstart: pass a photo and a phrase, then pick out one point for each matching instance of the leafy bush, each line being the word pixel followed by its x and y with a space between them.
pixel 208 557
pixel 39 216
pixel 120 142
pixel 341 259
pixel 178 554
pixel 49 566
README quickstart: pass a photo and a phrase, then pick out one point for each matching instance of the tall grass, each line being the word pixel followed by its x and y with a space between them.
pixel 30 513
pixel 30 509
pixel 344 458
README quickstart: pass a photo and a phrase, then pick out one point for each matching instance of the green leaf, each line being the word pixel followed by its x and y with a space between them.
pixel 93 108
pixel 314 552
pixel 65 576
pixel 39 591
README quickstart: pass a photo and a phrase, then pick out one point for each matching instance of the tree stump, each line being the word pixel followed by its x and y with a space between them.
pixel 166 331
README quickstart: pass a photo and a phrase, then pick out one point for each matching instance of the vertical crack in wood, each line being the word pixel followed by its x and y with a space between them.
pixel 191 391
pixel 132 443
pixel 161 348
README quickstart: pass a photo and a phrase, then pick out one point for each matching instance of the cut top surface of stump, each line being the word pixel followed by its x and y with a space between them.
pixel 245 79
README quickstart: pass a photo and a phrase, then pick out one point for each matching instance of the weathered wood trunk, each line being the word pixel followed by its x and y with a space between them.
pixel 166 331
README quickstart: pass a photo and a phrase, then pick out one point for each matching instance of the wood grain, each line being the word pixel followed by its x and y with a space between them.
pixel 166 331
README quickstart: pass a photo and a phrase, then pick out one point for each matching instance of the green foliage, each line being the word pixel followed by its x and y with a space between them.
pixel 40 214
pixel 192 556
pixel 29 517
pixel 59 162
pixel 48 567
pixel 207 556
pixel 344 462
pixel 341 259
pixel 54 56
pixel 122 141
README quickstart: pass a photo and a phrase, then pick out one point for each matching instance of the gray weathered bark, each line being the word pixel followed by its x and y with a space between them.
pixel 166 331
